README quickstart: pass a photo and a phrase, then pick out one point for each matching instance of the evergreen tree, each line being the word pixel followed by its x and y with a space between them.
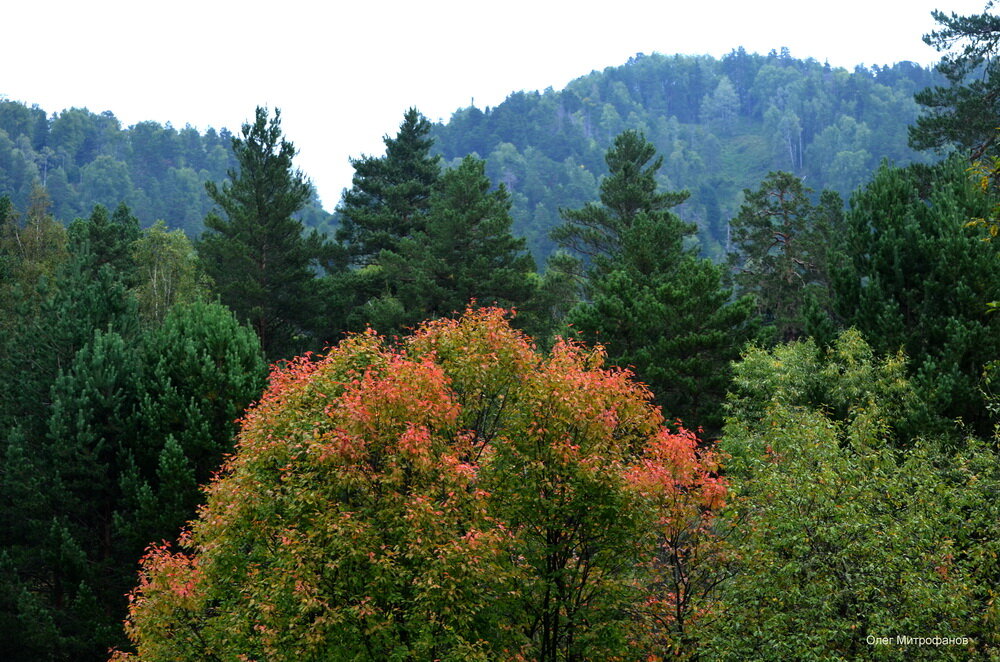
pixel 652 302
pixel 390 195
pixel 782 240
pixel 630 188
pixel 964 114
pixel 108 426
pixel 106 239
pixel 557 291
pixel 914 277
pixel 665 313
pixel 466 250
pixel 262 265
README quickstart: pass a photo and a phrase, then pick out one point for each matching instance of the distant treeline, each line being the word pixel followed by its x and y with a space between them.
pixel 720 124
pixel 84 159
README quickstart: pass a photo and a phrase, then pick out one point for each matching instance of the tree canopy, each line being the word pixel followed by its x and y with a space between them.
pixel 964 113
pixel 456 497
pixel 262 263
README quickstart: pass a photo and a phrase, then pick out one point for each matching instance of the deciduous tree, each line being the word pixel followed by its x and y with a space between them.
pixel 845 529
pixel 457 497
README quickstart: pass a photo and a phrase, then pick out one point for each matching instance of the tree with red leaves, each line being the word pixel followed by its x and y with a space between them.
pixel 456 497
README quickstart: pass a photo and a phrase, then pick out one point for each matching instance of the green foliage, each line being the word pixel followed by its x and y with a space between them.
pixel 261 263
pixel 962 115
pixel 108 427
pixel 828 125
pixel 390 195
pixel 651 302
pixel 168 272
pixel 457 497
pixel 914 277
pixel 840 535
pixel 106 239
pixel 83 159
pixel 847 381
pixel 466 251
pixel 30 253
pixel 204 369
pixel 557 291
pixel 629 190
pixel 781 241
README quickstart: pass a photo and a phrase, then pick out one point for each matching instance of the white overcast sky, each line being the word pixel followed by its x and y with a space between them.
pixel 343 73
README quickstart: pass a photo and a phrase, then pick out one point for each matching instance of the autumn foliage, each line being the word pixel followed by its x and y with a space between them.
pixel 457 496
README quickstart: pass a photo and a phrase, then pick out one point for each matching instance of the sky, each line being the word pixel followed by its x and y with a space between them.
pixel 343 73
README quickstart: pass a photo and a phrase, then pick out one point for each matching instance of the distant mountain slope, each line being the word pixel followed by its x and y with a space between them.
pixel 720 126
pixel 83 159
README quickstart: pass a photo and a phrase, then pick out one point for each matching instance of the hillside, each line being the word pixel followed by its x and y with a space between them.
pixel 83 158
pixel 720 125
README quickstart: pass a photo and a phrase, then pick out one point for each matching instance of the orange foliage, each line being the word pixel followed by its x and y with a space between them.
pixel 458 496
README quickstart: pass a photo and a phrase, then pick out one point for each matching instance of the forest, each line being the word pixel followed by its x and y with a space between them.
pixel 692 359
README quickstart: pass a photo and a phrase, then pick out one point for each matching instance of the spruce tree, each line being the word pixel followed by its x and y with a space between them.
pixel 466 250
pixel 263 267
pixel 652 302
pixel 390 195
pixel 595 230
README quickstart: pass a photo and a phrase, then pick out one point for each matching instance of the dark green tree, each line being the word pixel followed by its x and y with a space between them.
pixel 262 264
pixel 204 369
pixel 466 250
pixel 915 277
pixel 781 241
pixel 390 195
pixel 596 229
pixel 557 291
pixel 651 301
pixel 106 239
pixel 963 114
pixel 108 426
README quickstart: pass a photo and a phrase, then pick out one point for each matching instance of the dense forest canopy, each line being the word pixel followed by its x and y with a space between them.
pixel 720 124
pixel 83 159
pixel 611 372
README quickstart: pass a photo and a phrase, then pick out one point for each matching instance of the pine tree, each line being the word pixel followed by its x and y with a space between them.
pixel 913 277
pixel 964 113
pixel 108 426
pixel 106 239
pixel 781 240
pixel 262 265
